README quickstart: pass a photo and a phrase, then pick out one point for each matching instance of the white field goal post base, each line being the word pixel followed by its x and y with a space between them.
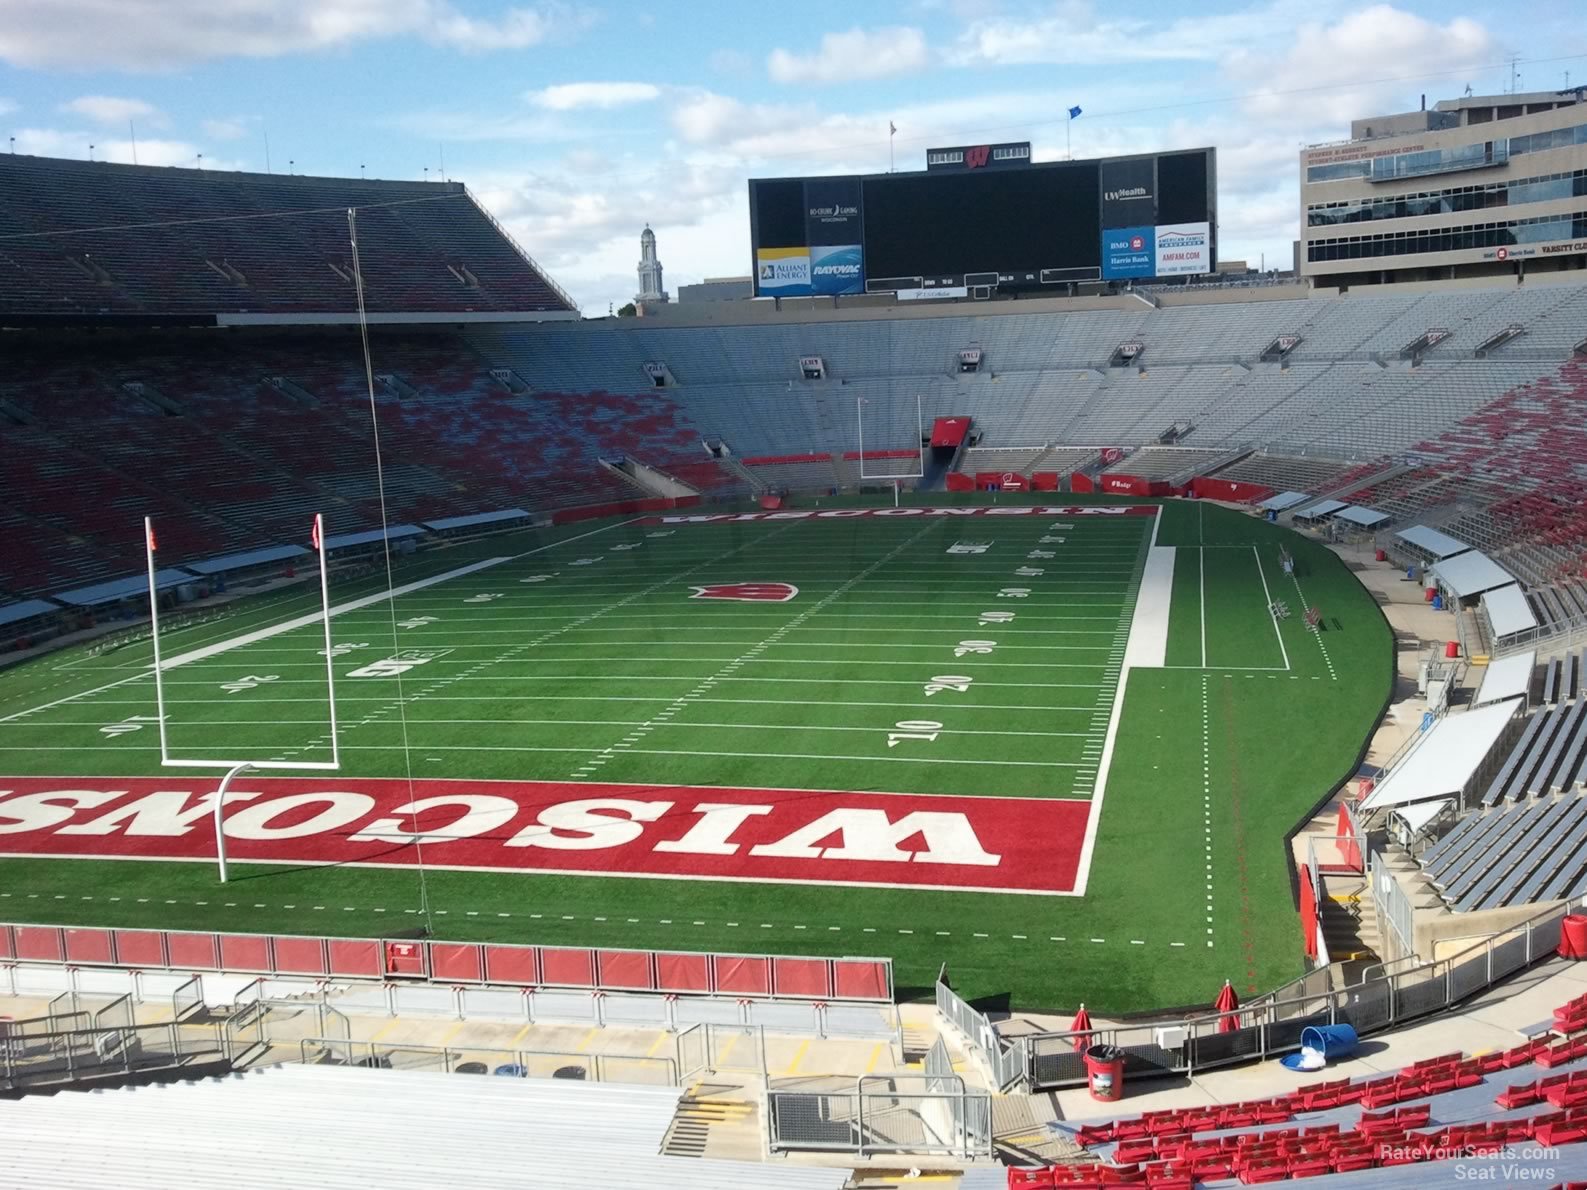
pixel 233 769
pixel 920 439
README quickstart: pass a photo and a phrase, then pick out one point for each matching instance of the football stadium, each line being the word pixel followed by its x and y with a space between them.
pixel 860 731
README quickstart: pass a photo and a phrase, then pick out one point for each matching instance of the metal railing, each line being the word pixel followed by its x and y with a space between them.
pixel 905 1114
pixel 531 1063
pixel 1005 1063
pixel 31 1058
pixel 1385 997
pixel 721 1049
pixel 1393 907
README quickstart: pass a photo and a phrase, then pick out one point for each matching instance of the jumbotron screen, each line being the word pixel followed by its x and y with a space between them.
pixel 979 220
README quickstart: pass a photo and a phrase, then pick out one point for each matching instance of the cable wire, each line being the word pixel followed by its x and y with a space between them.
pixel 385 534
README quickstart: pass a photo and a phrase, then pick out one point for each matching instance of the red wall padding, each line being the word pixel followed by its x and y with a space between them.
pixel 1044 481
pixel 245 952
pixel 1008 481
pixel 1308 913
pixel 1128 485
pixel 40 942
pixel 959 482
pixel 356 956
pixel 1231 490
pixel 457 961
pixel 801 977
pixel 300 956
pixel 768 460
pixel 743 975
pixel 624 969
pixel 7 948
pixel 567 967
pixel 511 964
pixel 88 946
pixel 140 948
pixel 1081 483
pixel 1350 851
pixel 683 972
pixel 860 981
pixel 193 950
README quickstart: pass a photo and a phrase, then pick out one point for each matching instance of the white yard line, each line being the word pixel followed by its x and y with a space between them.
pixel 1261 570
pixel 1203 602
pixel 1088 843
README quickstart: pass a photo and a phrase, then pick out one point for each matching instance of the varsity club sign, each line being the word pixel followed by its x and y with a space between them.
pixel 967 844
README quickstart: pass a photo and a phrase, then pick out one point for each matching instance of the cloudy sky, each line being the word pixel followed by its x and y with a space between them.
pixel 578 122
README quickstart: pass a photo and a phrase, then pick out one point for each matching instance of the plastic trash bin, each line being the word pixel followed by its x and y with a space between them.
pixel 1573 936
pixel 1105 1072
pixel 1332 1041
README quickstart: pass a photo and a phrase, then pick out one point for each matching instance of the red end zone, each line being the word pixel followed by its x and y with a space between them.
pixel 893 840
pixel 836 514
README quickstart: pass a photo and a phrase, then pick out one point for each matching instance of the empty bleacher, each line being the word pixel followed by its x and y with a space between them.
pixel 206 242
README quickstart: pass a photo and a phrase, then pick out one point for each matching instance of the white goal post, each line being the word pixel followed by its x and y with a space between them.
pixel 233 768
pixel 920 437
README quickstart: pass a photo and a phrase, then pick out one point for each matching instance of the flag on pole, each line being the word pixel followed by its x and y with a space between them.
pixel 314 532
pixel 891 128
pixel 1074 113
pixel 148 532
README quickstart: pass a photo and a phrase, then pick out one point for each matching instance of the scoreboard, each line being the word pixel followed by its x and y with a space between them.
pixel 981 219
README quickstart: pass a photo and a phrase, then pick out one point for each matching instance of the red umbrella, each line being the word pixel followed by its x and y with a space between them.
pixel 1081 1024
pixel 1227 1002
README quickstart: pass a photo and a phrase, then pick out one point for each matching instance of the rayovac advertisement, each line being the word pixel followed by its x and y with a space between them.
pixel 1129 192
pixel 1183 248
pixel 1129 252
pixel 832 211
pixel 837 268
pixel 782 272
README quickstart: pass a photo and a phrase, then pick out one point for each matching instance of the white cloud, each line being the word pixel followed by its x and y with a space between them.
pixel 55 142
pixel 166 34
pixel 857 54
pixel 108 109
pixel 1074 33
pixel 1348 60
pixel 224 129
pixel 567 97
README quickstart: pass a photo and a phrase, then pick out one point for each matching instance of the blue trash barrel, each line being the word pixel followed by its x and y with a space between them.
pixel 1438 603
pixel 1334 1041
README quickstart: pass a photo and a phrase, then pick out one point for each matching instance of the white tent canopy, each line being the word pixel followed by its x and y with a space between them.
pixel 1446 757
pixel 1417 816
pixel 1284 500
pixel 1470 573
pixel 1508 611
pixel 1439 545
pixel 1508 677
pixel 1365 517
pixel 1322 508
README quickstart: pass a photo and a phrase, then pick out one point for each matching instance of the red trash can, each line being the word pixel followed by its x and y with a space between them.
pixel 1451 648
pixel 1382 555
pixel 1105 1072
pixel 1573 936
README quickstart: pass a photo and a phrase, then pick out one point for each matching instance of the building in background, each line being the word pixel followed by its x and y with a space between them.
pixel 1483 186
pixel 650 292
pixel 718 289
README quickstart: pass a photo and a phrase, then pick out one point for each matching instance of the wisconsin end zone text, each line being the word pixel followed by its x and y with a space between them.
pixel 966 844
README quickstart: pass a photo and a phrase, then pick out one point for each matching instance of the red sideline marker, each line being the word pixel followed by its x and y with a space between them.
pixel 895 840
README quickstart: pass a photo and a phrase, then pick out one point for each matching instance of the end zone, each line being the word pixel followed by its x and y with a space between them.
pixel 770 836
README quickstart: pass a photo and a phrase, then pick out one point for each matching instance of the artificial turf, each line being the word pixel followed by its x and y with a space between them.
pixel 1216 756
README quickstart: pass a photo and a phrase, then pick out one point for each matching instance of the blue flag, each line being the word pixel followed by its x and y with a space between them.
pixel 1073 112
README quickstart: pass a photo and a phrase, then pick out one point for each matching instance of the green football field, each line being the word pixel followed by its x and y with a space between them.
pixel 897 735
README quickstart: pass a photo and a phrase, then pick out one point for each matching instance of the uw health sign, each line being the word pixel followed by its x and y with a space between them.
pixel 885 840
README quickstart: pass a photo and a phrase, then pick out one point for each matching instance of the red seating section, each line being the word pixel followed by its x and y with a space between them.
pixel 225 460
pixel 1173 1147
